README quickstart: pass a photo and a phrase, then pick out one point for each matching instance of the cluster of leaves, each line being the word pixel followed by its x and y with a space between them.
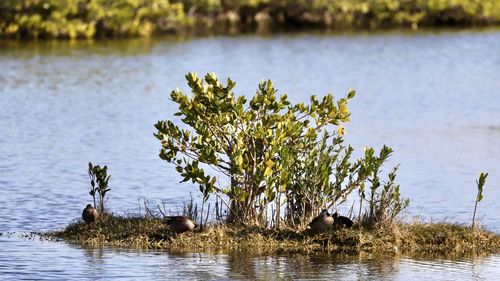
pixel 100 177
pixel 384 199
pixel 272 153
pixel 88 18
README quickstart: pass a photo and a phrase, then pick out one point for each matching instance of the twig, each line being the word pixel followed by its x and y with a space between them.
pixel 208 213
pixel 161 212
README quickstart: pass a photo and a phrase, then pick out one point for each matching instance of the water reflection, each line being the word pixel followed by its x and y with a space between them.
pixel 62 48
pixel 44 260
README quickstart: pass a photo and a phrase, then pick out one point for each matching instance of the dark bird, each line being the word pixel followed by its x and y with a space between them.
pixel 180 224
pixel 322 222
pixel 341 221
pixel 90 214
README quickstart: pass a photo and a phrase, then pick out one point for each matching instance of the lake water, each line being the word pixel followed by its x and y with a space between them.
pixel 432 96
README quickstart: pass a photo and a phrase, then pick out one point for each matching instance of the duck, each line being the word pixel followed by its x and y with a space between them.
pixel 180 224
pixel 90 214
pixel 341 221
pixel 322 222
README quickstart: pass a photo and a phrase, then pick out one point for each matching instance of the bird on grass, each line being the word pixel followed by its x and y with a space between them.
pixel 341 221
pixel 90 214
pixel 180 224
pixel 322 222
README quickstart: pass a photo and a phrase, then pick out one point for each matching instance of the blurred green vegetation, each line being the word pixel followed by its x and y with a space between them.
pixel 115 18
pixel 88 18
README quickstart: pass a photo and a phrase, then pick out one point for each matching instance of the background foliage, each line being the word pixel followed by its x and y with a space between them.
pixel 111 18
pixel 88 18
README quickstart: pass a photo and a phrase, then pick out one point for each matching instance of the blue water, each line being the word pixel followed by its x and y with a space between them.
pixel 432 96
pixel 29 260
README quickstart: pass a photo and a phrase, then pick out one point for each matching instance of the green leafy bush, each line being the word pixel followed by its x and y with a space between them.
pixel 272 154
pixel 99 180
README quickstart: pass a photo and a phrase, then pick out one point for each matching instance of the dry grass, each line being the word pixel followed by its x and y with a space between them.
pixel 447 238
pixel 415 238
pixel 114 230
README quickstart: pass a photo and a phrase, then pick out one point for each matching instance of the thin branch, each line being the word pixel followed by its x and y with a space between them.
pixel 161 212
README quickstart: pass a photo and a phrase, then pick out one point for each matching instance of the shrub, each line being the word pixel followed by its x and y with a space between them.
pixel 100 177
pixel 271 153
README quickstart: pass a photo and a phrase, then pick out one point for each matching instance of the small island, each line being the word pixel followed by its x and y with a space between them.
pixel 410 239
pixel 280 165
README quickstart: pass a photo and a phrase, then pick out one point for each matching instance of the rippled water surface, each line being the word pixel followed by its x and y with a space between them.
pixel 432 96
pixel 28 260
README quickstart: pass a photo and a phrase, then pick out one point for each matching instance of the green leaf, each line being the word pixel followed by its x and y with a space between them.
pixel 479 197
pixel 242 195
pixel 269 168
pixel 480 183
pixel 238 160
pixel 351 94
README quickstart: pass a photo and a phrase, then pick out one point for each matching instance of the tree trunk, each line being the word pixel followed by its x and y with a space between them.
pixel 240 214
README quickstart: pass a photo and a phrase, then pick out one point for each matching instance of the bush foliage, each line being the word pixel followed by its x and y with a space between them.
pixel 271 154
pixel 99 180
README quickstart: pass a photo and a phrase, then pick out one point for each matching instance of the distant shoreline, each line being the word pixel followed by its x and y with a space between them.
pixel 78 19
